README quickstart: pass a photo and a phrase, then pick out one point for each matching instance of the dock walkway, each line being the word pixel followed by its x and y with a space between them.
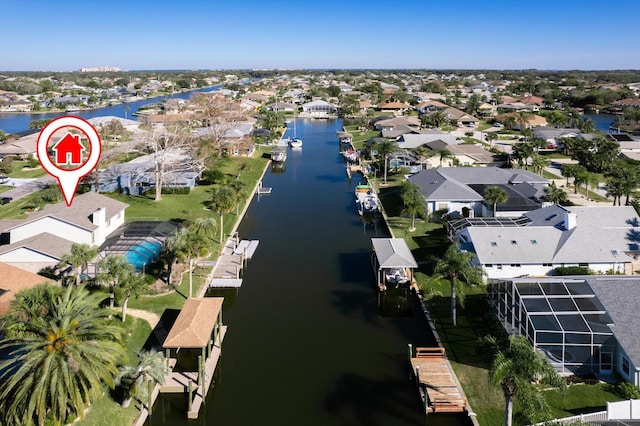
pixel 178 381
pixel 435 381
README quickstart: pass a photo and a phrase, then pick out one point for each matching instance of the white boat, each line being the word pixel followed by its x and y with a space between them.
pixel 278 155
pixel 295 143
pixel 366 200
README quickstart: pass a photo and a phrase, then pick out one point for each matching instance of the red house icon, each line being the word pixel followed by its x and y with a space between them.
pixel 69 150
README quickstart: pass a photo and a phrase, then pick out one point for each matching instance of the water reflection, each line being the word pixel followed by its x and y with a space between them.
pixel 307 342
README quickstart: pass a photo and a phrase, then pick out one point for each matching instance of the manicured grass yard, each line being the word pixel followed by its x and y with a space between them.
pixel 475 320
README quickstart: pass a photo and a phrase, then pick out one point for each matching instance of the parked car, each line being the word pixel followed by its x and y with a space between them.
pixel 5 200
pixel 4 179
pixel 499 125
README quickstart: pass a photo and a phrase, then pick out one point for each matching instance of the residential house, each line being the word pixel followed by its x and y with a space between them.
pixel 46 235
pixel 21 148
pixel 395 107
pixel 100 122
pixel 138 175
pixel 461 154
pixel 583 324
pixel 282 107
pixel 19 105
pixel 458 190
pixel 389 123
pixel 600 238
pixel 553 136
pixel 413 141
pixel 531 120
pixel 460 117
pixel 318 109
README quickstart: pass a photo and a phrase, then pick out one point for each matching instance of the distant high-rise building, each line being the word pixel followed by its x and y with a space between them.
pixel 100 69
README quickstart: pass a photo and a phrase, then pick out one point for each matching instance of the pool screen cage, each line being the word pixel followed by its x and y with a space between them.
pixel 138 235
pixel 562 318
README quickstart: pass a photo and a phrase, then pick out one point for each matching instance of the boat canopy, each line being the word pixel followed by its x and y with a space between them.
pixel 393 253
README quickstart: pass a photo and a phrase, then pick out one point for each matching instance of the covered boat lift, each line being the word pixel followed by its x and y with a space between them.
pixel 392 262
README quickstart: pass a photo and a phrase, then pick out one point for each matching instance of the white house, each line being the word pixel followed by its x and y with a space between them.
pixel 603 239
pixel 318 109
pixel 46 235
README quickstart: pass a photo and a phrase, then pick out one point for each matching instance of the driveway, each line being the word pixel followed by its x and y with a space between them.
pixel 23 187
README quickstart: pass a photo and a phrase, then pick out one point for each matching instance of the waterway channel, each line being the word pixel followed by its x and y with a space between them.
pixel 306 343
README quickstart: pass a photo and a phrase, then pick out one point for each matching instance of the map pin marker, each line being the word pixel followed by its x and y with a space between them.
pixel 69 151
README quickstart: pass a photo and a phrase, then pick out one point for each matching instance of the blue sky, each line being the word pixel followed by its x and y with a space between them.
pixel 65 35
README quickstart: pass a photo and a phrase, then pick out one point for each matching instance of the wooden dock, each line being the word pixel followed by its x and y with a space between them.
pixel 246 248
pixel 435 381
pixel 183 381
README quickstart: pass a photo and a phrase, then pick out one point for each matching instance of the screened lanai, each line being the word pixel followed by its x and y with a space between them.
pixel 139 242
pixel 562 318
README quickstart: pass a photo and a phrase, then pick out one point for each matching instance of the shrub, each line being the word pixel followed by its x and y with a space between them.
pixel 572 270
pixel 627 390
pixel 179 190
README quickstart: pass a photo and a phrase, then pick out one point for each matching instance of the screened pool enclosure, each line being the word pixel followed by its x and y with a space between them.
pixel 561 317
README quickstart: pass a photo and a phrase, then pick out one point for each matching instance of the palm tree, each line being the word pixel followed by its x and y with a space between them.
pixel 59 361
pixel 385 148
pixel 114 269
pixel 591 180
pixel 133 285
pixel 188 244
pixel 204 226
pixel 491 136
pixel 509 122
pixel 445 154
pixel 555 195
pixel 539 163
pixel 515 369
pixel 523 119
pixel 495 195
pixel 437 119
pixel 136 380
pixel 80 255
pixel 456 266
pixel 587 125
pixel 223 199
pixel 413 202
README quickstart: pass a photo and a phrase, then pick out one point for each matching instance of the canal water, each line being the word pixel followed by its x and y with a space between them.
pixel 306 343
pixel 19 122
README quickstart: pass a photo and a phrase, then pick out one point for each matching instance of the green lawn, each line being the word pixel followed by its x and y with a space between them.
pixel 475 320
pixel 20 170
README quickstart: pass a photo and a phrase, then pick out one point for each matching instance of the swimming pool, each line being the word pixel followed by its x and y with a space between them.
pixel 141 255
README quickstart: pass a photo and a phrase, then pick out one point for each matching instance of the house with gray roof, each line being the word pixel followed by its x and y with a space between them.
pixel 583 324
pixel 458 190
pixel 604 239
pixel 41 239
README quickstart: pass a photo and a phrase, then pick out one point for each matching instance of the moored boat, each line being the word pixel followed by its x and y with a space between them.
pixel 278 155
pixel 295 143
pixel 366 200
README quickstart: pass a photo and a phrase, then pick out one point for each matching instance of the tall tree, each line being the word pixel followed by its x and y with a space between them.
pixel 112 270
pixel 173 152
pixel 133 285
pixel 384 148
pixel 80 256
pixel 218 115
pixel 188 244
pixel 223 200
pixel 495 195
pixel 445 154
pixel 491 136
pixel 515 369
pixel 413 202
pixel 509 122
pixel 456 266
pixel 58 363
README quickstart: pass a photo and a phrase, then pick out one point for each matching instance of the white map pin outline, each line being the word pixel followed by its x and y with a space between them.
pixel 69 179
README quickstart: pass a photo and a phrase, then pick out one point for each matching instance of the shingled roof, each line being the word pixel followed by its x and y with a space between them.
pixel 195 323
